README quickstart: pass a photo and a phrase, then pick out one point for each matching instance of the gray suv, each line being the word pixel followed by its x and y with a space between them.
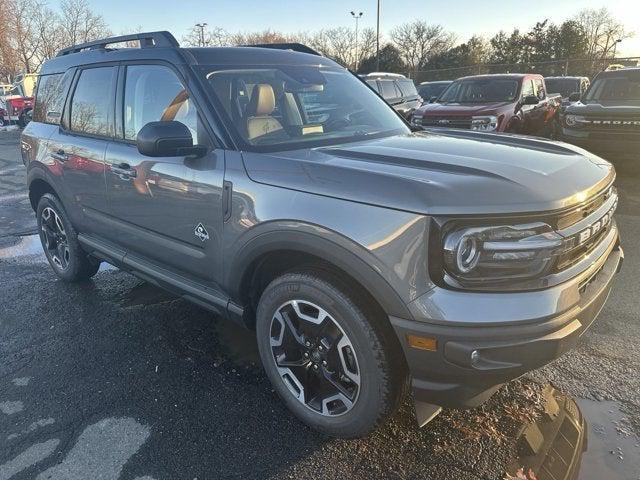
pixel 273 187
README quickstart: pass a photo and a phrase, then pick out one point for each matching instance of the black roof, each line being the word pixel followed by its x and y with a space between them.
pixel 622 72
pixel 563 77
pixel 163 46
pixel 502 76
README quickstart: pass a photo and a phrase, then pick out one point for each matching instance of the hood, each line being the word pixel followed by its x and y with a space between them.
pixel 450 172
pixel 605 108
pixel 463 108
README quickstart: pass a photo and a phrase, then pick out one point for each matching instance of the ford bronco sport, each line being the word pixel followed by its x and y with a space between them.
pixel 606 118
pixel 273 187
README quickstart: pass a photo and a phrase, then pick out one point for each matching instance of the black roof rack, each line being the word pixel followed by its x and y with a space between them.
pixel 296 47
pixel 149 39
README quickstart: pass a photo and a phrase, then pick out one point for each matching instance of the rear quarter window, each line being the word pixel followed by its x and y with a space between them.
pixel 92 102
pixel 51 93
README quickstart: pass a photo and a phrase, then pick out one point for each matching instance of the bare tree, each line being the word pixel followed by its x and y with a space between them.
pixel 418 42
pixel 602 32
pixel 49 30
pixel 80 24
pixel 24 35
pixel 256 38
pixel 205 37
pixel 339 44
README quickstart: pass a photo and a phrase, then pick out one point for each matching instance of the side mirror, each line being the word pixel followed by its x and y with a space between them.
pixel 167 139
pixel 530 100
pixel 574 97
pixel 433 99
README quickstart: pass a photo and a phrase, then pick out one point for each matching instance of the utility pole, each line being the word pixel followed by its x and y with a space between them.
pixel 378 38
pixel 201 39
pixel 357 17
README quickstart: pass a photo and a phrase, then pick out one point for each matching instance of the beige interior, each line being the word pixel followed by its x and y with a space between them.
pixel 263 102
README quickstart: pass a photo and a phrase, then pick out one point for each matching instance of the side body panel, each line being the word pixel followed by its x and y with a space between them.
pixel 383 249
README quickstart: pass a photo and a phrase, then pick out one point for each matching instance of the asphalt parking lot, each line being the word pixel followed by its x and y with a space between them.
pixel 115 379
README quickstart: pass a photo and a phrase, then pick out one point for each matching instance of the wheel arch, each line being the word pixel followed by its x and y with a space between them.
pixel 39 184
pixel 277 252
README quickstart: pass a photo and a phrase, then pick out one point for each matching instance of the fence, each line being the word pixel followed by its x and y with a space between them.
pixel 568 66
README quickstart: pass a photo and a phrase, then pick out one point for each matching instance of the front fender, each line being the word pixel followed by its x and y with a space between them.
pixel 330 246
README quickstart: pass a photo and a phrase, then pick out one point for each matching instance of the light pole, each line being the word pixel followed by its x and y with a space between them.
pixel 357 16
pixel 378 38
pixel 615 47
pixel 201 39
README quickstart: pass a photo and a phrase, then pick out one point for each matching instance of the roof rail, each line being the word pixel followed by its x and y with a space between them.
pixel 296 47
pixel 147 40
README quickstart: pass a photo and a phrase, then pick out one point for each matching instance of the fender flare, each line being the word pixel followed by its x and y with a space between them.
pixel 333 248
pixel 38 173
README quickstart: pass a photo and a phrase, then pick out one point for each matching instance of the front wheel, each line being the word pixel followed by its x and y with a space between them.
pixel 335 367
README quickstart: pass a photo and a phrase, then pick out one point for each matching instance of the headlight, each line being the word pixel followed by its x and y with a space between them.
pixel 573 120
pixel 486 124
pixel 480 256
pixel 416 120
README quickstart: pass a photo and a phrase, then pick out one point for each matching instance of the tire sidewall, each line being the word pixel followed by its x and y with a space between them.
pixel 365 412
pixel 73 270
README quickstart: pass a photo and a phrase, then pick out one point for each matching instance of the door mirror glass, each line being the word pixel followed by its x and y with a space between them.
pixel 574 97
pixel 167 139
pixel 530 100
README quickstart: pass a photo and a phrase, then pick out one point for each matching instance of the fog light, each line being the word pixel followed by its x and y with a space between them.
pixel 422 343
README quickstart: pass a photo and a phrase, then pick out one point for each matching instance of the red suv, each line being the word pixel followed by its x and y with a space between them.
pixel 516 103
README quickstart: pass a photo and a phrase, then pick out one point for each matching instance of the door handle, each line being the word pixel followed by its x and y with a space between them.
pixel 124 169
pixel 59 155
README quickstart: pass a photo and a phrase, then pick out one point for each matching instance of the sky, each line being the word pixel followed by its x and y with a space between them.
pixel 463 17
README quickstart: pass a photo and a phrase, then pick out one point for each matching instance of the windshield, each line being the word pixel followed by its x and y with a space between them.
pixel 563 86
pixel 427 92
pixel 481 91
pixel 619 89
pixel 286 107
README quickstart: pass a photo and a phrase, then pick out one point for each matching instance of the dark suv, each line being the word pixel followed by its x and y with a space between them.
pixel 399 91
pixel 606 118
pixel 361 253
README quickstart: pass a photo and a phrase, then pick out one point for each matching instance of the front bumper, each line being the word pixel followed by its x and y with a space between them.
pixel 602 142
pixel 483 340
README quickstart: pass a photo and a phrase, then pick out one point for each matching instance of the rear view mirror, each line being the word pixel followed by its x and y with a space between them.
pixel 574 97
pixel 530 100
pixel 167 139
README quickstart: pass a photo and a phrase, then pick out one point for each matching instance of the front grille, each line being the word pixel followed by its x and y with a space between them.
pixel 576 254
pixel 627 123
pixel 450 122
pixel 577 214
pixel 579 222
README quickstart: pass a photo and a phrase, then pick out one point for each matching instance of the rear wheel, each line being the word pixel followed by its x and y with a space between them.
pixel 333 366
pixel 60 242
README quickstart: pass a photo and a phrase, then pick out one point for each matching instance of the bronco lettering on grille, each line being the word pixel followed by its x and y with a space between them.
pixel 595 227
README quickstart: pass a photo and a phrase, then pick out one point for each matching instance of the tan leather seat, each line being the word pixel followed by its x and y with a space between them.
pixel 263 102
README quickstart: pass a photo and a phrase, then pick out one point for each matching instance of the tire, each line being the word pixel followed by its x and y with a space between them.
pixel 360 354
pixel 60 242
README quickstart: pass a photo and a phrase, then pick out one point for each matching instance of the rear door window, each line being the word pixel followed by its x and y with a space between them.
pixel 92 102
pixel 388 89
